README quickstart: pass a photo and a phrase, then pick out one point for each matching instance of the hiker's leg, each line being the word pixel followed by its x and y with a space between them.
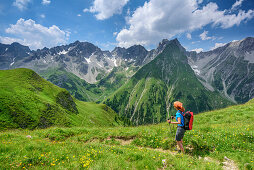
pixel 182 149
pixel 179 143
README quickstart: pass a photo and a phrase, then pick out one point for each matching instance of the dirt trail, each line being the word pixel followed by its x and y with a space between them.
pixel 229 164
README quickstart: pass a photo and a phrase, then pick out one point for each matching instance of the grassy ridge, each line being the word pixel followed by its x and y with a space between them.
pixel 29 101
pixel 216 134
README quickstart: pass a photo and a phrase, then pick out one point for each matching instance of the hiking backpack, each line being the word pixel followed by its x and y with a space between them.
pixel 188 120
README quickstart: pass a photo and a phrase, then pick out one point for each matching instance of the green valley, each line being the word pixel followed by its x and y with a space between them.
pixel 84 91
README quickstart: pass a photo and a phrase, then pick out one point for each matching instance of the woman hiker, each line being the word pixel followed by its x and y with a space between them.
pixel 180 124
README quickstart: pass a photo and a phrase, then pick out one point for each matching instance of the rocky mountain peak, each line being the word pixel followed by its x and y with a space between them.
pixel 118 50
pixel 176 43
pixel 247 44
pixel 166 42
pixel 18 46
pixel 137 50
pixel 162 44
pixel 84 49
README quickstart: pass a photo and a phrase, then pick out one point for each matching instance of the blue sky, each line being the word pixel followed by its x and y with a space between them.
pixel 198 24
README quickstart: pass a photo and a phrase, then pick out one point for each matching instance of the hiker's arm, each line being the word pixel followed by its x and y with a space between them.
pixel 178 121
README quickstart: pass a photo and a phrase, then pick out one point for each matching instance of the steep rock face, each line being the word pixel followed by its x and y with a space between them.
pixel 11 53
pixel 229 69
pixel 148 95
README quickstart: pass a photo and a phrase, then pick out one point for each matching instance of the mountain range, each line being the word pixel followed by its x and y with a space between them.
pixel 141 84
pixel 149 95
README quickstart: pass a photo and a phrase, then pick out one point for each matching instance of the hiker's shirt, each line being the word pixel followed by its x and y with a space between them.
pixel 178 114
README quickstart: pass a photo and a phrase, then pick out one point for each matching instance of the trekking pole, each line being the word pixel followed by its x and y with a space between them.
pixel 169 119
pixel 169 126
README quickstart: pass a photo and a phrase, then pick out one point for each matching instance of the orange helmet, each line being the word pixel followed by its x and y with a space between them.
pixel 178 105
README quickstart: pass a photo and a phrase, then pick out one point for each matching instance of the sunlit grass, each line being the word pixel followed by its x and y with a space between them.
pixel 227 132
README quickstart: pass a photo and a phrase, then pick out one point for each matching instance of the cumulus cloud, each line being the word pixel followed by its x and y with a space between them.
pixel 188 35
pixel 21 4
pixel 79 15
pixel 217 45
pixel 27 32
pixel 198 50
pixel 158 19
pixel 204 36
pixel 105 9
pixel 237 4
pixel 45 2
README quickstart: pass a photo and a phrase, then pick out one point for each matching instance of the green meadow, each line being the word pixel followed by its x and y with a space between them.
pixel 219 139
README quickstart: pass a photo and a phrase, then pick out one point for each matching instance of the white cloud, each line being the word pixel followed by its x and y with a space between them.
pixel 188 35
pixel 45 2
pixel 21 4
pixel 27 32
pixel 200 1
pixel 198 50
pixel 105 9
pixel 114 34
pixel 216 45
pixel 79 15
pixel 158 19
pixel 42 16
pixel 204 36
pixel 237 4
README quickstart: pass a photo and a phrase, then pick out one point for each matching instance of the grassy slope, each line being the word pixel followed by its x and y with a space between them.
pixel 28 101
pixel 216 134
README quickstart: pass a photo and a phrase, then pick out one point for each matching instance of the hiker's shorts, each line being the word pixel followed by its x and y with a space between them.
pixel 179 133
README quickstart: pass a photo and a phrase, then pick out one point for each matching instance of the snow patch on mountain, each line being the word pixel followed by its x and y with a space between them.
pixel 12 61
pixel 195 69
pixel 62 52
pixel 114 60
pixel 88 60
